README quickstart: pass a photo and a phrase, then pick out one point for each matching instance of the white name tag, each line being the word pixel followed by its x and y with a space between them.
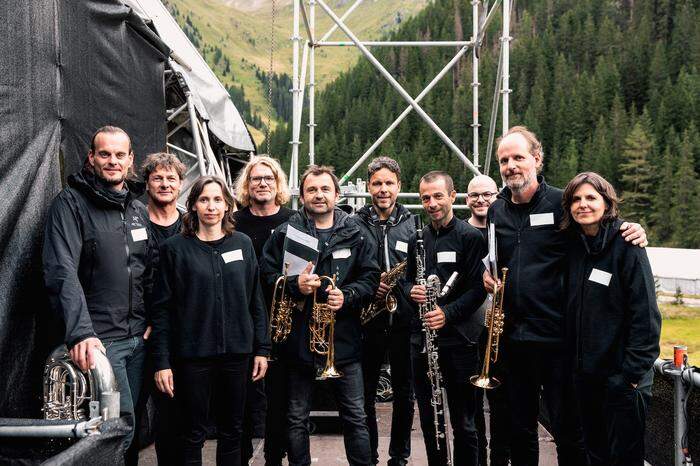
pixel 541 219
pixel 342 253
pixel 402 246
pixel 447 256
pixel 139 234
pixel 600 276
pixel 230 256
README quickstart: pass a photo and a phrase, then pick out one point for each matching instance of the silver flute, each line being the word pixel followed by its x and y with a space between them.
pixel 430 348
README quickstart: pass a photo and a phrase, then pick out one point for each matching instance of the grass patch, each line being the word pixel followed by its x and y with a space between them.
pixel 680 326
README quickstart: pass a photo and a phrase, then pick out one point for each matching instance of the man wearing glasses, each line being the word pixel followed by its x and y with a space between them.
pixel 262 189
pixel 481 192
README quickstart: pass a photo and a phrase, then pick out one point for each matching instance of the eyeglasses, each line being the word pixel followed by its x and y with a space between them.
pixel 259 179
pixel 486 195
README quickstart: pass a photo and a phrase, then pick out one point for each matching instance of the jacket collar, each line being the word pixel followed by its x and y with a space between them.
pixel 606 234
pixel 341 225
pixel 84 181
pixel 542 189
pixel 369 215
pixel 447 228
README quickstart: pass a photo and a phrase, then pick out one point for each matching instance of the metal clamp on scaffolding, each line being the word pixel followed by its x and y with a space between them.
pixel 685 380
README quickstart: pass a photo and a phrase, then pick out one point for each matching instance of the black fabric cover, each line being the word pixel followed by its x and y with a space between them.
pixel 67 67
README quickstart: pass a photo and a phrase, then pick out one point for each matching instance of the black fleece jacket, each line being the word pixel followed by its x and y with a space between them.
pixel 613 322
pixel 456 247
pixel 97 258
pixel 391 239
pixel 208 300
pixel 533 248
pixel 355 264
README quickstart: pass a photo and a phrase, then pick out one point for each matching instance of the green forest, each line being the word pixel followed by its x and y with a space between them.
pixel 608 86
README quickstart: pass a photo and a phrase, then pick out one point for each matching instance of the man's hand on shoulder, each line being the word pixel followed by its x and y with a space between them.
pixel 635 233
pixel 81 354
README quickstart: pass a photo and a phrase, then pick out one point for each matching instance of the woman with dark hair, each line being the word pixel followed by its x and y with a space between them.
pixel 613 323
pixel 209 321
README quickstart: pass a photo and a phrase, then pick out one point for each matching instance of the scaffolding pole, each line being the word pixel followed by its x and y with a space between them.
pixel 475 81
pixel 296 112
pixel 197 140
pixel 312 84
pixel 505 89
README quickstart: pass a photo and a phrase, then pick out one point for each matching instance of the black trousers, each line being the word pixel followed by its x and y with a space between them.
pixel 375 345
pixel 253 417
pixel 614 416
pixel 541 369
pixel 276 417
pixel 499 414
pixel 457 365
pixel 194 383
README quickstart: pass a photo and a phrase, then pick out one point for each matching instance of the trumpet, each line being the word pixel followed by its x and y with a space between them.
pixel 389 302
pixel 281 309
pixel 494 322
pixel 322 334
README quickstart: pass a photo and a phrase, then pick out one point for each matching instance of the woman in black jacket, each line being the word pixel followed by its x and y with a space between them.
pixel 209 320
pixel 613 323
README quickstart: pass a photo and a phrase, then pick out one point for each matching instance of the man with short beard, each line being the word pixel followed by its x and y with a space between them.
pixel 527 215
pixel 481 192
pixel 96 256
pixel 163 174
pixel 390 225
pixel 261 188
pixel 343 252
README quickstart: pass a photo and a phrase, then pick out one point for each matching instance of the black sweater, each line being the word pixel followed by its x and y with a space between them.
pixel 457 247
pixel 349 255
pixel 613 322
pixel 533 248
pixel 208 300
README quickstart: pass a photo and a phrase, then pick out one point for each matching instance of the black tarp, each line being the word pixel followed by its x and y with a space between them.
pixel 67 67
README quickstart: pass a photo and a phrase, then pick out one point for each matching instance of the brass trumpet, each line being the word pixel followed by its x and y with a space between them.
pixel 322 334
pixel 494 322
pixel 281 310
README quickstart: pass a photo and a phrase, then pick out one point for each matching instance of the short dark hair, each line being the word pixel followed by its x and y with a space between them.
pixel 162 160
pixel 317 170
pixel 190 221
pixel 600 184
pixel 383 162
pixel 439 174
pixel 109 130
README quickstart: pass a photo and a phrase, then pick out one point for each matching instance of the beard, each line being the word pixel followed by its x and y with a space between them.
pixel 520 184
pixel 109 182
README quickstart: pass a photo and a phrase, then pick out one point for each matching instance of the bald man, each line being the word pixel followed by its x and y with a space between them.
pixel 482 190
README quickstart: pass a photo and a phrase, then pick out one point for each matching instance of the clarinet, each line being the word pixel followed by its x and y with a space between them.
pixel 430 348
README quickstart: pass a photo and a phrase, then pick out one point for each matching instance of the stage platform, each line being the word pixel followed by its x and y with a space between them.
pixel 327 444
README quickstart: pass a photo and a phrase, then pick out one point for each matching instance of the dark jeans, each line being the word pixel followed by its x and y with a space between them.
pixel 194 383
pixel 254 416
pixel 457 365
pixel 499 414
pixel 276 418
pixel 375 346
pixel 541 369
pixel 127 357
pixel 614 416
pixel 348 393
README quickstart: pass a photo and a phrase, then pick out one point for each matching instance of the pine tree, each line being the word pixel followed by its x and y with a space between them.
pixel 637 175
pixel 684 216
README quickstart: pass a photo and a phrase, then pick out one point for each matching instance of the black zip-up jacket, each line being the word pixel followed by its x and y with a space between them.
pixel 96 258
pixel 613 322
pixel 533 248
pixel 357 277
pixel 391 240
pixel 207 300
pixel 458 247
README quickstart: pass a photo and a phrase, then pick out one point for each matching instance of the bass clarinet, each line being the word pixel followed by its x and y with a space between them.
pixel 438 397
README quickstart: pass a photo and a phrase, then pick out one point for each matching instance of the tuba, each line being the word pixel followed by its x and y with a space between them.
pixel 322 334
pixel 71 395
pixel 281 310
pixel 389 302
pixel 494 322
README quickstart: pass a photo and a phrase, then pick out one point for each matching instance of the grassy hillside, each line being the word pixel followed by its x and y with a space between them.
pixel 234 37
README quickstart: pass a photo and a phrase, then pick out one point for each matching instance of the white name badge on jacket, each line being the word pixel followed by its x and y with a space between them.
pixel 446 256
pixel 600 276
pixel 139 234
pixel 230 256
pixel 541 219
pixel 342 253
pixel 402 246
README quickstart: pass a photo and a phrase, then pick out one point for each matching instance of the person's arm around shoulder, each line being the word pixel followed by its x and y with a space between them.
pixel 63 244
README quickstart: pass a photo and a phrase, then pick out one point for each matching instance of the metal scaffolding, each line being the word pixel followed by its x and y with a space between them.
pixel 481 18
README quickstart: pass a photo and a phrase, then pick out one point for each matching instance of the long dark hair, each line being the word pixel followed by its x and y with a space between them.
pixel 190 221
pixel 600 184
